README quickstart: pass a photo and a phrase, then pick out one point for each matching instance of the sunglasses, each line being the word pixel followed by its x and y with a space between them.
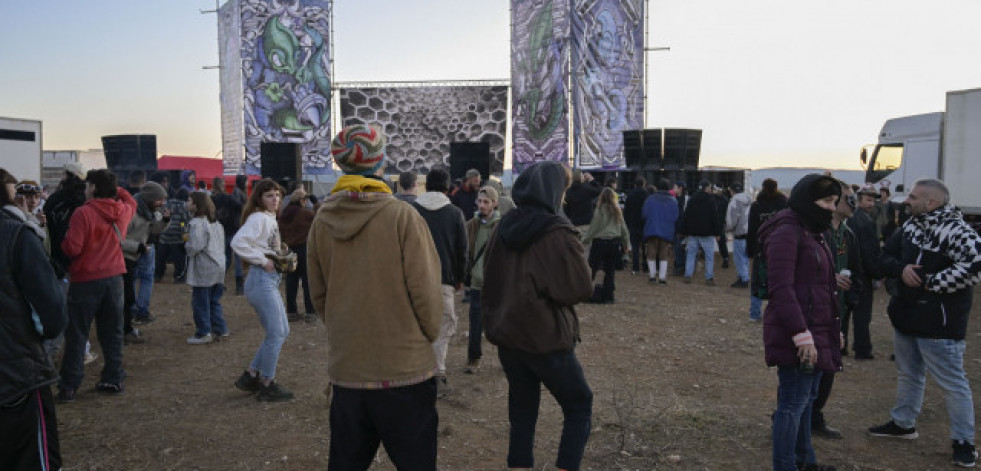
pixel 25 188
pixel 851 201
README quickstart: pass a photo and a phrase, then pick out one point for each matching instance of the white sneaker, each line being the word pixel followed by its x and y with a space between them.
pixel 90 357
pixel 199 340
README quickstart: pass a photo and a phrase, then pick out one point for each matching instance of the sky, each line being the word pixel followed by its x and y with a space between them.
pixel 770 82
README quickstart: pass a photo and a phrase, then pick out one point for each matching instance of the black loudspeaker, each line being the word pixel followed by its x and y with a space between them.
pixel 281 162
pixel 467 155
pixel 633 149
pixel 128 152
pixel 652 149
pixel 681 148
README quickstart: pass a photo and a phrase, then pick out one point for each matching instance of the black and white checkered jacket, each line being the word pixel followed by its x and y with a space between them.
pixel 948 251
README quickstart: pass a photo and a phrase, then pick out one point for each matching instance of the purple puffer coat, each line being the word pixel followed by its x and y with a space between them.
pixel 802 292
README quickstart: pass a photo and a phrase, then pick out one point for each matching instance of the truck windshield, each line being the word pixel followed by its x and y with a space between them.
pixel 887 159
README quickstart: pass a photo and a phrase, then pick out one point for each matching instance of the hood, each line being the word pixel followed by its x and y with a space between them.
pixel 784 216
pixel 742 200
pixel 540 187
pixel 108 208
pixel 142 208
pixel 29 221
pixel 185 175
pixel 537 193
pixel 432 200
pixel 802 200
pixel 345 213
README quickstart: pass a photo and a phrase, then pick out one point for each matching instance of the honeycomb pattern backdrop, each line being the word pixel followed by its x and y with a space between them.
pixel 421 122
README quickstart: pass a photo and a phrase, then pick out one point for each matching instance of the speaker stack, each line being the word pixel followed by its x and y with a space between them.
pixel 126 153
pixel 281 162
pixel 467 155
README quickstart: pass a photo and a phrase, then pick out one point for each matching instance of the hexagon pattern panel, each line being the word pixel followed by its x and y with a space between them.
pixel 421 122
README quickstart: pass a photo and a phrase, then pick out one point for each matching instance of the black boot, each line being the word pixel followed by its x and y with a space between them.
pixel 597 297
pixel 239 285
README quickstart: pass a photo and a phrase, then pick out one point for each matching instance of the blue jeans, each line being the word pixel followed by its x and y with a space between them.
pixel 262 292
pixel 206 303
pixel 707 244
pixel 230 254
pixel 562 374
pixel 755 308
pixel 944 359
pixel 101 300
pixel 742 261
pixel 792 420
pixel 143 277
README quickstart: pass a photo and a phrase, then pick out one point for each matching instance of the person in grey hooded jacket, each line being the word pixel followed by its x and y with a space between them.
pixel 737 222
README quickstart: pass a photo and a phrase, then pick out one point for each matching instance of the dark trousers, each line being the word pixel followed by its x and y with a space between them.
pixel 293 280
pixel 174 253
pixel 474 351
pixel 404 419
pixel 101 300
pixel 680 255
pixel 604 255
pixel 861 318
pixel 29 433
pixel 129 296
pixel 723 247
pixel 562 374
pixel 824 392
pixel 637 256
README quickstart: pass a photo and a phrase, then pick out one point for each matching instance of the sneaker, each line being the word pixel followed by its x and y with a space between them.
pixel 652 281
pixel 442 387
pixel 111 389
pixel 310 317
pixel 144 320
pixel 199 340
pixel 472 366
pixel 725 263
pixel 686 280
pixel 824 431
pixel 273 393
pixel 965 455
pixel 864 356
pixel 248 383
pixel 133 338
pixel 662 281
pixel 894 431
pixel 65 396
pixel 293 317
pixel 739 284
pixel 90 357
pixel 710 282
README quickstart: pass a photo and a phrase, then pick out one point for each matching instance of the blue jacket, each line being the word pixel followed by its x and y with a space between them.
pixel 660 213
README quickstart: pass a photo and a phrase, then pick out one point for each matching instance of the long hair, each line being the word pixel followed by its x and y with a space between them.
pixel 607 203
pixel 5 178
pixel 769 191
pixel 254 203
pixel 203 206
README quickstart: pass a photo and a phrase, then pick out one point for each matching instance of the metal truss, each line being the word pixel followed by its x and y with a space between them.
pixel 424 83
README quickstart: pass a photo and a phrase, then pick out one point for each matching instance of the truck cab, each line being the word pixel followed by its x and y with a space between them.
pixel 909 148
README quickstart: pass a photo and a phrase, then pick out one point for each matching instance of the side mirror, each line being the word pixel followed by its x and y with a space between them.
pixel 900 188
pixel 865 157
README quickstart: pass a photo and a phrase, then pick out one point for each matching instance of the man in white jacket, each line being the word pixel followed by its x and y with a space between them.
pixel 737 222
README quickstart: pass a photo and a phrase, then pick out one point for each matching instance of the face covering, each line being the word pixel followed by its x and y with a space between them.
pixel 804 197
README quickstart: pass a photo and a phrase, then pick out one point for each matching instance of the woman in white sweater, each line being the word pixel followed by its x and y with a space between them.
pixel 259 236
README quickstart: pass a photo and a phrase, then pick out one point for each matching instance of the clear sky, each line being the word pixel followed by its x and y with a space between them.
pixel 771 82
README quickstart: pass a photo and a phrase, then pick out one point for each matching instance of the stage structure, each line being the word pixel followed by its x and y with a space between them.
pixel 422 119
pixel 583 55
pixel 275 81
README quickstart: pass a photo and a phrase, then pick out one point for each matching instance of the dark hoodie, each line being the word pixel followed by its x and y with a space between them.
pixel 535 269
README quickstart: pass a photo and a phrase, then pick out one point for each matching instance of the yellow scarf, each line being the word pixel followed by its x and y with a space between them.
pixel 360 184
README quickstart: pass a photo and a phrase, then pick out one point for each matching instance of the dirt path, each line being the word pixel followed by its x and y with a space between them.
pixel 677 374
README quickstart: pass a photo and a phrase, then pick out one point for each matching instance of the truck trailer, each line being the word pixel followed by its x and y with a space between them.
pixel 20 148
pixel 944 145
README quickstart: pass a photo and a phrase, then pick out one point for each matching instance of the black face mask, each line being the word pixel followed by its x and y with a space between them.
pixel 804 196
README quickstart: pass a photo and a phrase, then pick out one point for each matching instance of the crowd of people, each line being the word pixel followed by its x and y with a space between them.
pixel 522 261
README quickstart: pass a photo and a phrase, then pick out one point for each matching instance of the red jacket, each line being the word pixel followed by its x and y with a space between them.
pixel 92 243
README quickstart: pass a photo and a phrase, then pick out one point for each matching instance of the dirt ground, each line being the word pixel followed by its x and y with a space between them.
pixel 677 373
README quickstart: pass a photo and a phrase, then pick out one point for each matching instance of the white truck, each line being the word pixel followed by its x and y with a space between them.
pixel 20 148
pixel 944 145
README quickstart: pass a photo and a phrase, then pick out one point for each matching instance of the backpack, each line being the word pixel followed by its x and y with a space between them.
pixel 759 285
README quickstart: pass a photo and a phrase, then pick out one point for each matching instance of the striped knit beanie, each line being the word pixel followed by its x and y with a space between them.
pixel 359 149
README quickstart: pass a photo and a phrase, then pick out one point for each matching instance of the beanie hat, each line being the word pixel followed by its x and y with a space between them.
pixel 489 192
pixel 472 173
pixel 152 191
pixel 358 149
pixel 77 169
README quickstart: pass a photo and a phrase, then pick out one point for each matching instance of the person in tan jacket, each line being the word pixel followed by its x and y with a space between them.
pixel 375 280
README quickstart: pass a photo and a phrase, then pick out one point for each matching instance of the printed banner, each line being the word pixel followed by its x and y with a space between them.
pixel 421 122
pixel 230 95
pixel 607 78
pixel 539 68
pixel 286 72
